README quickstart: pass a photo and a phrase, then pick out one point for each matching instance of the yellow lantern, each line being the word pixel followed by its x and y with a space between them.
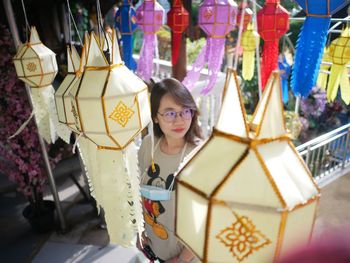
pixel 249 42
pixel 246 195
pixel 322 76
pixel 339 52
pixel 110 105
pixel 36 65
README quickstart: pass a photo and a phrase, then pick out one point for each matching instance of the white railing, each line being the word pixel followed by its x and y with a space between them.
pixel 326 156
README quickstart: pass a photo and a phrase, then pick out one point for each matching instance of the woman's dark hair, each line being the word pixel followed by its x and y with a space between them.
pixel 181 96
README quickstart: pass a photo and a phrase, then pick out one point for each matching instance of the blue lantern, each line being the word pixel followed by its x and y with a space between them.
pixel 125 21
pixel 311 42
pixel 284 67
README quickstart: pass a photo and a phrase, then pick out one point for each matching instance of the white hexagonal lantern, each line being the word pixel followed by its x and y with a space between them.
pixel 62 97
pixel 246 195
pixel 110 103
pixel 35 64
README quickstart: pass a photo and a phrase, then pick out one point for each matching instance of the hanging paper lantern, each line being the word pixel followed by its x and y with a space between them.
pixel 339 52
pixel 322 76
pixel 311 42
pixel 178 21
pixel 126 23
pixel 111 108
pixel 249 39
pixel 36 65
pixel 285 69
pixel 217 19
pixel 248 14
pixel 273 23
pixel 62 97
pixel 149 18
pixel 261 201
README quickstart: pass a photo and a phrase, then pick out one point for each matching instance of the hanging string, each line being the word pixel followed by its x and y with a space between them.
pixel 26 20
pixel 101 29
pixel 75 25
pixel 69 26
pixel 238 45
pixel 257 52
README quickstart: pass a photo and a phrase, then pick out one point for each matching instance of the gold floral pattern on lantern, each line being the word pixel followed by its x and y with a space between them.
pixel 31 66
pixel 208 14
pixel 75 114
pixel 242 238
pixel 121 114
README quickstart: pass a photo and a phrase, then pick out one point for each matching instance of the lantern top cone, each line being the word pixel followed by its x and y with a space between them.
pixel 35 63
pixel 322 8
pixel 217 17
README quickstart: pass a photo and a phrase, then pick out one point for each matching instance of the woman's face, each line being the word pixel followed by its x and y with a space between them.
pixel 173 119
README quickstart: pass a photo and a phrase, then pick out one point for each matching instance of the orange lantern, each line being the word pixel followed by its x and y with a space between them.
pixel 248 13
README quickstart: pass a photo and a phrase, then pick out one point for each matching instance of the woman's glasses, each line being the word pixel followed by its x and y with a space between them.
pixel 170 116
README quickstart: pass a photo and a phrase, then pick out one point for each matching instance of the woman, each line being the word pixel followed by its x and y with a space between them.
pixel 176 130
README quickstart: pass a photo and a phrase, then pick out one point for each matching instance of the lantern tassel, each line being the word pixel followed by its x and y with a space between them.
pixel 216 54
pixel 145 63
pixel 338 77
pixel 193 75
pixel 176 46
pixel 311 43
pixel 213 52
pixel 269 61
pixel 46 115
pixel 248 65
pixel 129 61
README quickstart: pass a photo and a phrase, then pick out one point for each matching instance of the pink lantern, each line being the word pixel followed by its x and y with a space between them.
pixel 217 18
pixel 149 18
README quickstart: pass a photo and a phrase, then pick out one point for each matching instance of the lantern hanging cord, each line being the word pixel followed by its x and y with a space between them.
pixel 101 29
pixel 240 30
pixel 257 52
pixel 26 19
pixel 75 25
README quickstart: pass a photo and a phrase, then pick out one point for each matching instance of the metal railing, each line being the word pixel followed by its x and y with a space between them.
pixel 325 155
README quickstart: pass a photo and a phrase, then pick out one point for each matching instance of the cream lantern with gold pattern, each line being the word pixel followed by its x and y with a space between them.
pixel 36 65
pixel 110 105
pixel 246 195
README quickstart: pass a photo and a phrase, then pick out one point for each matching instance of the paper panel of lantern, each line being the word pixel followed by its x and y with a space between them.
pixel 258 203
pixel 311 42
pixel 339 52
pixel 216 19
pixel 111 107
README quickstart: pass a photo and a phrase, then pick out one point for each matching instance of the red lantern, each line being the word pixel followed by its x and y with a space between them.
pixel 178 20
pixel 273 23
pixel 248 13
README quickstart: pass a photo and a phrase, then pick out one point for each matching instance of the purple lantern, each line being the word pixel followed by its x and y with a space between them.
pixel 217 18
pixel 149 18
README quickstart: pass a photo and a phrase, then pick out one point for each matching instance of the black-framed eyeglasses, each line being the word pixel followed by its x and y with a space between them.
pixel 170 116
